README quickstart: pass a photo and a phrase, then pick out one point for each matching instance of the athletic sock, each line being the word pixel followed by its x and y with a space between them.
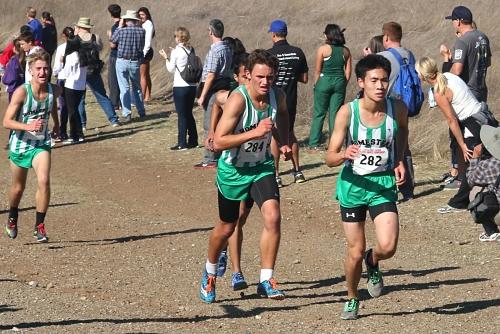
pixel 211 268
pixel 265 274
pixel 13 213
pixel 40 218
pixel 370 259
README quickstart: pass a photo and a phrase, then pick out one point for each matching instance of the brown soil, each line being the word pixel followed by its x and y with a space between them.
pixel 128 227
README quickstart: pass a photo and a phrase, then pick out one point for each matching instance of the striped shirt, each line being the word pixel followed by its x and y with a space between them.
pixel 377 151
pixel 255 151
pixel 21 141
pixel 130 42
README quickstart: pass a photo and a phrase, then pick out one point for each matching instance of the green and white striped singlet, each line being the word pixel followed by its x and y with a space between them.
pixel 22 141
pixel 377 144
pixel 256 151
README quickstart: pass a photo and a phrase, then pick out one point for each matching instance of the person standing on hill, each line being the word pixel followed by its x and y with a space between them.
pixel 114 90
pixel 148 26
pixel 35 25
pixel 216 76
pixel 331 75
pixel 27 43
pixel 292 69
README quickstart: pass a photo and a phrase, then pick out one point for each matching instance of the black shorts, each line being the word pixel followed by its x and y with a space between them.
pixel 471 130
pixel 261 191
pixel 149 55
pixel 358 214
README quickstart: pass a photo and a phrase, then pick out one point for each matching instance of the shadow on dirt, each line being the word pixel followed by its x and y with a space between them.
pixel 8 308
pixel 50 206
pixel 110 241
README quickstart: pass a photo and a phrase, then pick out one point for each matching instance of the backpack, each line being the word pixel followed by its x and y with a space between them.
pixel 485 205
pixel 193 69
pixel 407 85
pixel 88 55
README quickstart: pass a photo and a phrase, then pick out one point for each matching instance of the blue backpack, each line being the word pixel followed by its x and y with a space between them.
pixel 407 84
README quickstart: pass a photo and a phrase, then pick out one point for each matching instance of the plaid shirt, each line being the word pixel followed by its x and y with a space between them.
pixel 484 173
pixel 130 42
pixel 218 61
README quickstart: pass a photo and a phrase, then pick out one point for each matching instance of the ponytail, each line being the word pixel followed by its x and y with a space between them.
pixel 441 83
pixel 427 69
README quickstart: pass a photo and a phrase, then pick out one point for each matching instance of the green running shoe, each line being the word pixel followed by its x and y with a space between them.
pixel 350 311
pixel 375 282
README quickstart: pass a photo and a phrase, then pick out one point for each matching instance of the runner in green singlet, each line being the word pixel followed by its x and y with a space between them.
pixel 376 130
pixel 252 114
pixel 29 145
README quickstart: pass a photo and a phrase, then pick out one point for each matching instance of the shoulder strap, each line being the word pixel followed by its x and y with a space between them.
pixel 396 55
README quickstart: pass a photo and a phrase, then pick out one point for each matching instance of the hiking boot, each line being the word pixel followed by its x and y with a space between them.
pixel 279 182
pixel 40 234
pixel 238 281
pixel 207 290
pixel 350 311
pixel 222 263
pixel 375 282
pixel 299 177
pixel 489 237
pixel 11 228
pixel 269 289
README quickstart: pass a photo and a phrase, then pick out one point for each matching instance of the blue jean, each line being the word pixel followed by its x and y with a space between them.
pixel 96 85
pixel 127 73
pixel 186 125
pixel 81 110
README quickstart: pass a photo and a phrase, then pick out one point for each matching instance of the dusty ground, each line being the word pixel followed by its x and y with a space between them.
pixel 128 227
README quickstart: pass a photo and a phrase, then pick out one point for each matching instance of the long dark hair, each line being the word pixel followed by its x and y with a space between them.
pixel 47 16
pixel 334 35
pixel 148 16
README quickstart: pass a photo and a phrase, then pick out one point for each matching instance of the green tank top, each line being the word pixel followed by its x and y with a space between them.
pixel 334 65
pixel 23 141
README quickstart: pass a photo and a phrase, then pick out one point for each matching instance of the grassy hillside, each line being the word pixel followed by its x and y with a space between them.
pixel 423 24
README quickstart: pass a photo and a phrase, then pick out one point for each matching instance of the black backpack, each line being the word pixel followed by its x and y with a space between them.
pixel 194 68
pixel 88 55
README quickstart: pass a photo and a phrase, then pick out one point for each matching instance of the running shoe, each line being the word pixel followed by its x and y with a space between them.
pixel 207 290
pixel 40 234
pixel 222 263
pixel 238 281
pixel 449 209
pixel 279 182
pixel 269 289
pixel 448 178
pixel 350 311
pixel 205 165
pixel 452 185
pixel 375 282
pixel 299 177
pixel 68 141
pixel 11 228
pixel 486 237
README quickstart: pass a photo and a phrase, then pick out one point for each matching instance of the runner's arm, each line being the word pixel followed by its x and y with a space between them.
pixel 15 105
pixel 224 137
pixel 335 156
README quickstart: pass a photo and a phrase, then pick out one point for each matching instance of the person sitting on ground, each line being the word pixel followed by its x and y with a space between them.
pixel 483 173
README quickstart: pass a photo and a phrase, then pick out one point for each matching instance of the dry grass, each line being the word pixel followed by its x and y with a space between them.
pixel 423 25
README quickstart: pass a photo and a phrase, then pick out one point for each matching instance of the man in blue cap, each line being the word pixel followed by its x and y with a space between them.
pixel 292 69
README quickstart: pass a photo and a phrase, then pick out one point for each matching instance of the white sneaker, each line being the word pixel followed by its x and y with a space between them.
pixel 489 237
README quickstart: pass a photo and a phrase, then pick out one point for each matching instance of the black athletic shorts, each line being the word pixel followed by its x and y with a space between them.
pixel 358 214
pixel 261 191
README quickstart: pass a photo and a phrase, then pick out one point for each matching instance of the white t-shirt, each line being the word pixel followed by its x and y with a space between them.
pixel 58 65
pixel 148 26
pixel 178 57
pixel 464 102
pixel 76 76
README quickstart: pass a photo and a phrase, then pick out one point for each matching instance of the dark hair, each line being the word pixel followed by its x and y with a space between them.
pixel 216 28
pixel 376 44
pixel 240 60
pixel 280 34
pixel 27 37
pixel 21 55
pixel 148 15
pixel 230 42
pixel 393 30
pixel 372 62
pixel 263 57
pixel 334 35
pixel 68 32
pixel 239 48
pixel 114 10
pixel 24 29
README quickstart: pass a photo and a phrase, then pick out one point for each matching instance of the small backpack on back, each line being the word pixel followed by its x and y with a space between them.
pixel 407 85
pixel 193 69
pixel 88 55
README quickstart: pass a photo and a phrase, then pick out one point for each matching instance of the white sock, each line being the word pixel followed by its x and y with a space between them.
pixel 265 274
pixel 211 267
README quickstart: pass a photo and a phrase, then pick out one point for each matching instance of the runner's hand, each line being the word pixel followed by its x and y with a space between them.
pixel 264 127
pixel 351 152
pixel 399 173
pixel 286 151
pixel 467 152
pixel 209 142
pixel 36 125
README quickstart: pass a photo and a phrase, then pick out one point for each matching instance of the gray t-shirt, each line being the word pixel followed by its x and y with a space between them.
pixel 405 53
pixel 472 50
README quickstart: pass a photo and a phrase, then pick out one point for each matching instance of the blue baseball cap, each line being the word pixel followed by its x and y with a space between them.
pixel 278 26
pixel 460 13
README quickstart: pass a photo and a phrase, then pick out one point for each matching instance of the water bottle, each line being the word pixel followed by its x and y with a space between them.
pixel 430 98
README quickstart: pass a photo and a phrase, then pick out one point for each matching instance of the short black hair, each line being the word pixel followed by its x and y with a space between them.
pixel 240 60
pixel 25 28
pixel 264 57
pixel 115 10
pixel 216 27
pixel 372 62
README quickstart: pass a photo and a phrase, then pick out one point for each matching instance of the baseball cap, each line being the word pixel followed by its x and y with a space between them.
pixel 490 137
pixel 278 26
pixel 460 13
